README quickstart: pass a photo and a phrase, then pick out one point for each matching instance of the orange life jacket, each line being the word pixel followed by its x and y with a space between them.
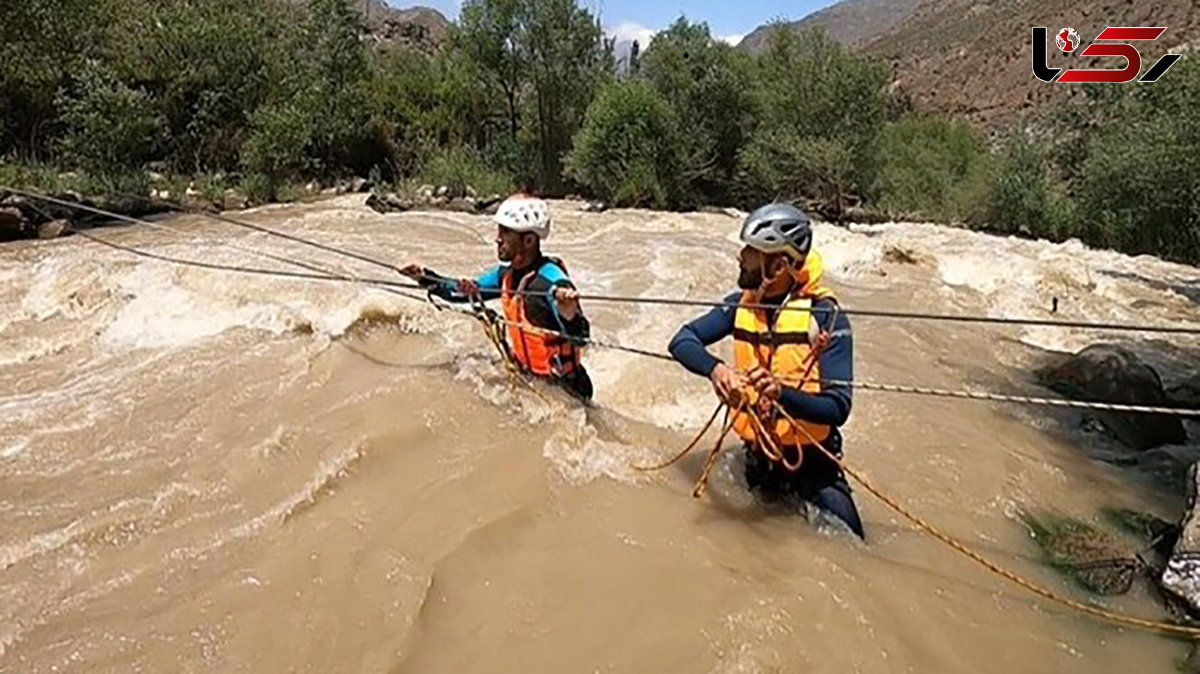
pixel 537 352
pixel 786 350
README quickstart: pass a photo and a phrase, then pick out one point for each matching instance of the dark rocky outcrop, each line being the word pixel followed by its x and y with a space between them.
pixel 1110 373
pixel 1181 579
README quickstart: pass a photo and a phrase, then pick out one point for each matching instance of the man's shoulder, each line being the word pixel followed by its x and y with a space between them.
pixel 832 316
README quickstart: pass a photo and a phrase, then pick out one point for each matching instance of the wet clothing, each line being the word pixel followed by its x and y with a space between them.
pixel 818 480
pixel 539 308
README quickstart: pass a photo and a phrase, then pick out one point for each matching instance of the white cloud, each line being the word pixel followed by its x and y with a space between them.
pixel 731 39
pixel 628 31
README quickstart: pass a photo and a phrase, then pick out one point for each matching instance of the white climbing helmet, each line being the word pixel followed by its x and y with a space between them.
pixel 522 213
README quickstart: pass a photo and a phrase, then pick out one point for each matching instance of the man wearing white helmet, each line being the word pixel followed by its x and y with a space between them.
pixel 534 290
pixel 789 339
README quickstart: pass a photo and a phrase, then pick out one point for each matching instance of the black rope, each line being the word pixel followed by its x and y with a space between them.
pixel 274 232
pixel 663 301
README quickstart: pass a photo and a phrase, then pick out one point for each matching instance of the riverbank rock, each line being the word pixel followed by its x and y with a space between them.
pixel 1181 578
pixel 461 205
pixel 488 205
pixel 389 202
pixel 53 229
pixel 12 223
pixel 594 207
pixel 233 200
pixel 1186 395
pixel 1109 373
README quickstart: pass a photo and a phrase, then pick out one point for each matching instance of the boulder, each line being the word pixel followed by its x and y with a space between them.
pixel 461 205
pixel 389 203
pixel 488 205
pixel 425 191
pixel 897 254
pixel 1180 579
pixel 234 200
pixel 1186 395
pixel 471 193
pixel 1109 373
pixel 53 229
pixel 12 222
pixel 443 191
pixel 594 207
pixel 359 185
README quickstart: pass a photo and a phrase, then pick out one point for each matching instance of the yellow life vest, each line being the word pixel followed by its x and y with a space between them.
pixel 787 352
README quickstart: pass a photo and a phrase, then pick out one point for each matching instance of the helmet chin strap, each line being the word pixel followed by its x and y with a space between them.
pixel 761 292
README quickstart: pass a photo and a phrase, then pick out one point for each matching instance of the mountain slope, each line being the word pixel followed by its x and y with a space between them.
pixel 851 22
pixel 974 58
pixel 416 26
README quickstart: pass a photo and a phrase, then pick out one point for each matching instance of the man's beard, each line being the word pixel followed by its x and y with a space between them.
pixel 750 279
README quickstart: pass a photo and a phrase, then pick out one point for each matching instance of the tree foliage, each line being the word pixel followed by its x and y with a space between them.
pixel 629 147
pixel 524 94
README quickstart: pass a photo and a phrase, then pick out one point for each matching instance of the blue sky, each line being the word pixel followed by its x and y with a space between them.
pixel 639 19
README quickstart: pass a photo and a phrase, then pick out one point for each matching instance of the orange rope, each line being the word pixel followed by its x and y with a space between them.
pixel 950 541
pixel 692 445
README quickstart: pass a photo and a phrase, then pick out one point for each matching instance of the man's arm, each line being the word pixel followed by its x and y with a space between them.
pixel 688 345
pixel 832 405
pixel 543 310
pixel 452 290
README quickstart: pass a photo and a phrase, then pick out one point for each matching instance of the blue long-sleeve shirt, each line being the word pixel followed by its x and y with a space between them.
pixel 540 306
pixel 830 407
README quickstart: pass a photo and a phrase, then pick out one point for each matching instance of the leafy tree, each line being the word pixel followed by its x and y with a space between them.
pixel 707 83
pixel 809 89
pixel 1139 185
pixel 627 151
pixel 43 44
pixel 932 167
pixel 108 126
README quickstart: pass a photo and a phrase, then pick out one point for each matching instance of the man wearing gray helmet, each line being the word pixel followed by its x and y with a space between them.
pixel 789 339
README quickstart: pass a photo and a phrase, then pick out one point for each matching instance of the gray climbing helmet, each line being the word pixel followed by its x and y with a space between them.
pixel 778 228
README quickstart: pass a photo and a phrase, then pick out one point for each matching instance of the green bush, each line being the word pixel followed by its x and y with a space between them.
pixel 934 168
pixel 1021 199
pixel 459 168
pixel 277 149
pixel 1139 186
pixel 108 126
pixel 627 150
pixel 706 83
pixel 783 165
pixel 809 88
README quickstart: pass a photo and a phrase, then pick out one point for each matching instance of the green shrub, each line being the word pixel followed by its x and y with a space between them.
pixel 108 126
pixel 459 168
pixel 1139 186
pixel 810 88
pixel 1020 199
pixel 933 168
pixel 783 165
pixel 627 150
pixel 278 144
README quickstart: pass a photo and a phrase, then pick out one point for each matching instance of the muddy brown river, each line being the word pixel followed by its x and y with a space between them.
pixel 203 471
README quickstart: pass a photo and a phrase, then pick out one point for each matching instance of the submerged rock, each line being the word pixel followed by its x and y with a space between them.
pixel 1093 557
pixel 389 203
pixel 1108 373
